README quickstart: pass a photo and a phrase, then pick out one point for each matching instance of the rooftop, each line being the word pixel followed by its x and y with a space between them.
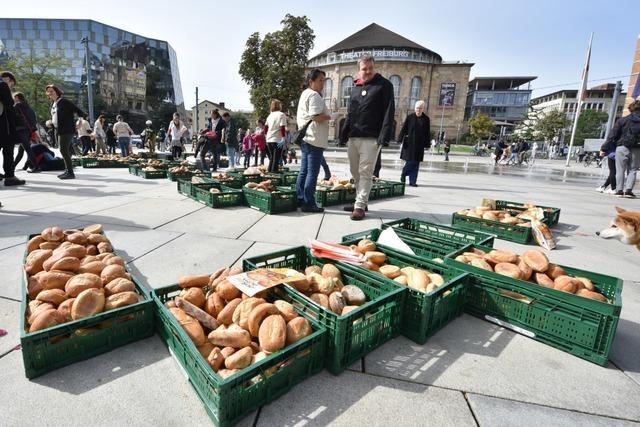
pixel 500 83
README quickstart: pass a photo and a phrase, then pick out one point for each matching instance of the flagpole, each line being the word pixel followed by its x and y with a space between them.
pixel 581 93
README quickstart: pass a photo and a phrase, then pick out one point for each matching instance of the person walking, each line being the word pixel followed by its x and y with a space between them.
pixel 608 150
pixel 123 134
pixel 112 141
pixel 247 148
pixel 84 134
pixel 214 143
pixel 626 137
pixel 414 136
pixel 314 114
pixel 99 135
pixel 368 126
pixel 26 125
pixel 447 149
pixel 62 112
pixel 241 134
pixel 500 147
pixel 8 136
pixel 276 129
pixel 176 130
pixel 230 139
pixel 260 143
pixel 150 137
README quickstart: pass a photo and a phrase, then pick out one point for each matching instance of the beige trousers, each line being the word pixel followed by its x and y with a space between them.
pixel 100 146
pixel 363 153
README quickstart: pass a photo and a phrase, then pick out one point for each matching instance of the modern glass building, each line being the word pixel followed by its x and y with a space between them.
pixel 131 75
pixel 504 99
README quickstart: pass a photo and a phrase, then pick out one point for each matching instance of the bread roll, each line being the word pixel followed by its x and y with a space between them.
pixel 77 238
pixel 286 310
pixel 121 299
pixel 390 271
pixel 297 329
pixel 375 257
pixel 52 296
pixel 193 281
pixel 227 290
pixel 331 271
pixel 508 269
pixel 226 315
pixel 35 260
pixel 65 309
pixel 93 229
pixel 46 319
pixel 119 285
pixel 337 302
pixel 34 243
pixel 273 333
pixel 112 272
pixel 82 282
pixel 366 245
pixel 66 264
pixel 95 239
pixel 501 256
pixel 543 280
pixel 586 293
pixel 236 338
pixel 214 304
pixel 53 234
pixel 321 299
pixel 240 359
pixel 257 315
pixel 554 271
pixel 481 263
pixel 87 303
pixel 194 295
pixel 526 270
pixel 53 279
pixel 536 260
pixel 241 313
pixel 190 326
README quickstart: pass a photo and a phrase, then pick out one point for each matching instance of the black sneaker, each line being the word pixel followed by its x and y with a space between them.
pixel 67 175
pixel 413 185
pixel 34 170
pixel 8 182
pixel 312 209
pixel 403 179
pixel 619 194
pixel 629 195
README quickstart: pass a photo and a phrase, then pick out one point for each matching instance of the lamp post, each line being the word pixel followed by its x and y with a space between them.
pixel 85 42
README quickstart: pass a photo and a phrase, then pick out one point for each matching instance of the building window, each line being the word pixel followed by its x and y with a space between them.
pixel 395 81
pixel 345 91
pixel 414 96
pixel 327 92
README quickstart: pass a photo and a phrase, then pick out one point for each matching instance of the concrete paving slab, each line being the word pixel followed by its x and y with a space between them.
pixel 131 242
pixel 10 322
pixel 228 222
pixel 188 254
pixel 626 344
pixel 337 224
pixel 362 400
pixel 477 356
pixel 86 206
pixel 117 388
pixel 260 248
pixel 495 412
pixel 293 228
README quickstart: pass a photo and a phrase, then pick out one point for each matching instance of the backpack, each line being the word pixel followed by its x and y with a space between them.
pixel 630 137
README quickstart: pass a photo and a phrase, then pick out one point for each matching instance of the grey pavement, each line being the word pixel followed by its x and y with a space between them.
pixel 469 373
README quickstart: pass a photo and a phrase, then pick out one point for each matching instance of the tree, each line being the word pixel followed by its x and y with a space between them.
pixel 480 127
pixel 35 71
pixel 242 122
pixel 526 129
pixel 550 124
pixel 273 67
pixel 590 125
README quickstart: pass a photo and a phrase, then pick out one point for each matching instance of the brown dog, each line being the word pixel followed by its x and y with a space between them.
pixel 624 227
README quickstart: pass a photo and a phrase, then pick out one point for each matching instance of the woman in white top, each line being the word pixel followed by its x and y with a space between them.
pixel 123 133
pixel 100 135
pixel 313 111
pixel 276 129
pixel 84 134
pixel 176 130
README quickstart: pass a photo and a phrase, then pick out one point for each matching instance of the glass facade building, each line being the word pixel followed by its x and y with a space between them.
pixel 503 99
pixel 131 75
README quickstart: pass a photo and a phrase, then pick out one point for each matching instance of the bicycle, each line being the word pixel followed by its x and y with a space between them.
pixel 590 158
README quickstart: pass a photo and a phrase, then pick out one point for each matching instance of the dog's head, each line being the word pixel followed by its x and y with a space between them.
pixel 624 227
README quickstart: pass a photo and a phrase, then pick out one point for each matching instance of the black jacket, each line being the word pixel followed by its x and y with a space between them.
pixel 371 111
pixel 25 117
pixel 414 135
pixel 218 130
pixel 625 132
pixel 8 116
pixel 66 120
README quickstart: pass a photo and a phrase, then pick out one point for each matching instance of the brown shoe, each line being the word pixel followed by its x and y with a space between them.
pixel 350 208
pixel 357 214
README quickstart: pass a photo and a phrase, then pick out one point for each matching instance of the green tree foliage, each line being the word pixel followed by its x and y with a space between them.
pixel 273 66
pixel 550 124
pixel 242 122
pixel 34 72
pixel 480 127
pixel 590 125
pixel 526 129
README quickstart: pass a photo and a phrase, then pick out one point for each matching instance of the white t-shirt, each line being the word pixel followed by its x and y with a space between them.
pixel 275 120
pixel 84 128
pixel 311 104
pixel 122 129
pixel 176 132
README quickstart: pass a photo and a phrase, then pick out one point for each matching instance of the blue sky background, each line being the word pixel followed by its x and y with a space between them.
pixel 541 38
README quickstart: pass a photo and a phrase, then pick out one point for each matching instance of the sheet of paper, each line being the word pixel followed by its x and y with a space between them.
pixel 255 281
pixel 389 238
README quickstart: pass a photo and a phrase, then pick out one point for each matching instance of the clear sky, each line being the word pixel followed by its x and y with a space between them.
pixel 541 38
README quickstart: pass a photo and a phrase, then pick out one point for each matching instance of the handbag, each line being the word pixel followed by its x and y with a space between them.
pixel 33 135
pixel 299 135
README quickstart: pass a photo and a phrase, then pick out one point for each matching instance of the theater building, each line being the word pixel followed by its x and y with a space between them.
pixel 415 72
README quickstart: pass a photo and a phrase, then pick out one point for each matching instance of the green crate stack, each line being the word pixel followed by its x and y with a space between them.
pixel 155 174
pixel 70 342
pixel 276 178
pixel 280 201
pixel 246 178
pixel 173 176
pixel 358 332
pixel 185 186
pixel 233 181
pixel 133 169
pixel 383 190
pixel 76 161
pixel 289 178
pixel 511 232
pixel 326 196
pixel 230 399
pixel 89 162
pixel 424 313
pixel 551 215
pixel 350 195
pixel 580 326
pixel 427 230
pixel 228 197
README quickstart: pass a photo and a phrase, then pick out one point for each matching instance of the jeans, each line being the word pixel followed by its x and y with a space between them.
pixel 123 141
pixel 363 153
pixel 247 159
pixel 410 169
pixel 64 141
pixel 325 168
pixel 231 154
pixel 111 149
pixel 275 155
pixel 611 179
pixel 176 152
pixel 310 161
pixel 627 160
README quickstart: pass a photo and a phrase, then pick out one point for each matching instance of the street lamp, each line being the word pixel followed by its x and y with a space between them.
pixel 85 42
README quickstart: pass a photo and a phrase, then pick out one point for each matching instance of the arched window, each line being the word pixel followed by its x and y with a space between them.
pixel 345 91
pixel 414 95
pixel 395 81
pixel 327 92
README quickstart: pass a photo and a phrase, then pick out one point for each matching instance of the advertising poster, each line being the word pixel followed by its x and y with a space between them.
pixel 447 94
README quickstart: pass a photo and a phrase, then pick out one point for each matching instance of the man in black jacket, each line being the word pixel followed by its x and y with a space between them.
pixel 8 134
pixel 368 126
pixel 626 137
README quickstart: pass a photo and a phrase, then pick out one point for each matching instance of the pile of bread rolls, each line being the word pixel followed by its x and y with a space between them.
pixel 230 329
pixel 335 184
pixel 220 177
pixel 266 186
pixel 324 286
pixel 73 274
pixel 415 278
pixel 532 266
pixel 504 216
pixel 179 169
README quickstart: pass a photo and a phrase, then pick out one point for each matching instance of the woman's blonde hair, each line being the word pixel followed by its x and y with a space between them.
pixel 276 105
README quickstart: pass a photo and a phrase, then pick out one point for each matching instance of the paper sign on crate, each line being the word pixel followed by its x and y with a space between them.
pixel 253 282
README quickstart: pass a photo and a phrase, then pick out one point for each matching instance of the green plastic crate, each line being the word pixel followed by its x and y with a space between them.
pixel 325 196
pixel 397 188
pixel 93 163
pixel 228 197
pixel 427 230
pixel 511 232
pixel 172 176
pixel 156 174
pixel 357 333
pixel 133 169
pixel 424 313
pixel 551 215
pixel 230 399
pixel 577 325
pixel 276 178
pixel 350 195
pixel 246 178
pixel 61 345
pixel 233 182
pixel 284 200
pixel 382 190
pixel 76 161
pixel 289 178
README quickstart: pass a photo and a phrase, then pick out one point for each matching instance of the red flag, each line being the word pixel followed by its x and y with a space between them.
pixel 585 73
